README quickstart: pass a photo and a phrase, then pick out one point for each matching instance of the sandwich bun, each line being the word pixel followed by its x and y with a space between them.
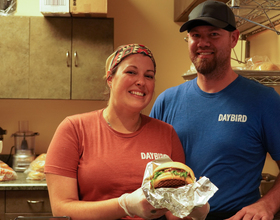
pixel 35 175
pixel 37 166
pixel 266 66
pixel 41 157
pixel 173 175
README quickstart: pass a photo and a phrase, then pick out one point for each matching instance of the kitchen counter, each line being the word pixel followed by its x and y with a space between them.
pixel 22 197
pixel 21 183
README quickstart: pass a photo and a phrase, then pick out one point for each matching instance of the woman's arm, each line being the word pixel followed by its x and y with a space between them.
pixel 64 200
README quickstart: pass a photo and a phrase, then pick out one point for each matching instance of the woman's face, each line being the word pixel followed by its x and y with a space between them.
pixel 132 86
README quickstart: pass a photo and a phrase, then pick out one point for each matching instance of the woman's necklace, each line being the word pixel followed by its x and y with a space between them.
pixel 108 122
pixel 106 119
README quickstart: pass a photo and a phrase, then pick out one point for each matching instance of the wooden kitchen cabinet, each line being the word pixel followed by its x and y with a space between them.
pixel 61 58
pixel 67 57
pixel 92 43
pixel 49 76
pixel 24 203
pixel 14 57
pixel 2 205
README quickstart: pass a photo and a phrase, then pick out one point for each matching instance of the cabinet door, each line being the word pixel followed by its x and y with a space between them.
pixel 27 201
pixel 92 43
pixel 2 204
pixel 50 41
pixel 14 57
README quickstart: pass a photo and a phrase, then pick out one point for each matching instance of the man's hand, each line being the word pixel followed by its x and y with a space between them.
pixel 265 207
pixel 256 211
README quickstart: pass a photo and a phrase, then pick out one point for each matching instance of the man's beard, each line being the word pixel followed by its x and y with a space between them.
pixel 204 66
pixel 211 68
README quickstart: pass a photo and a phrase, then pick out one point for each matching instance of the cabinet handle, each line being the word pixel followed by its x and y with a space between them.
pixel 34 201
pixel 68 59
pixel 76 58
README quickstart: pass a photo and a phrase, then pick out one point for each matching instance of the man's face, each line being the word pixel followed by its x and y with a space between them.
pixel 210 48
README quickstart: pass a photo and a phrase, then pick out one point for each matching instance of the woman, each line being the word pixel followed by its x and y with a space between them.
pixel 96 161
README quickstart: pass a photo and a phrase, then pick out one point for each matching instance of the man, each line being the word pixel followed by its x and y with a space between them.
pixel 226 123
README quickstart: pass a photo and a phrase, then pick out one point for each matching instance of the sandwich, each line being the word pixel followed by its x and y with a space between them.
pixel 172 175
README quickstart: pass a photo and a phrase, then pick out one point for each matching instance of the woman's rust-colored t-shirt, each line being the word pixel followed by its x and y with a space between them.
pixel 107 163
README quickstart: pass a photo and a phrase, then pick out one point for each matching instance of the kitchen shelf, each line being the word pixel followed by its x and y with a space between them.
pixel 254 16
pixel 268 78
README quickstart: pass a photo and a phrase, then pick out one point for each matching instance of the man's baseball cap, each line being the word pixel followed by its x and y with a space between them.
pixel 212 13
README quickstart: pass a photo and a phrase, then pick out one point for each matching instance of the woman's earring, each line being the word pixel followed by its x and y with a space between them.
pixel 109 81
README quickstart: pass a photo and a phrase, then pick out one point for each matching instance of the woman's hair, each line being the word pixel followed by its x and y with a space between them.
pixel 122 52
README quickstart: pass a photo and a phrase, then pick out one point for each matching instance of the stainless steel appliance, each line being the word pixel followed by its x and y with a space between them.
pixel 2 132
pixel 24 147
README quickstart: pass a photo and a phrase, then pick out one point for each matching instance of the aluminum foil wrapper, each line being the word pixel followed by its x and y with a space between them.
pixel 180 201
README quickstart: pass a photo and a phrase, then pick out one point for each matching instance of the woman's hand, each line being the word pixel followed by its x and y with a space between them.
pixel 136 203
pixel 198 213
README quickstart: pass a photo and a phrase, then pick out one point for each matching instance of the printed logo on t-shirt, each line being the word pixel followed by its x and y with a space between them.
pixel 150 155
pixel 232 117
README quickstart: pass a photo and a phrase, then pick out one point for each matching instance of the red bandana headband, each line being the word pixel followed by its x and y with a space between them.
pixel 124 51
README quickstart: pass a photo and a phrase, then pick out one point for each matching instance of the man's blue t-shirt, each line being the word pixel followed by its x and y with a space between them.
pixel 225 135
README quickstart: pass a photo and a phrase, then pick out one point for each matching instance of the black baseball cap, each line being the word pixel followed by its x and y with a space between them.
pixel 212 13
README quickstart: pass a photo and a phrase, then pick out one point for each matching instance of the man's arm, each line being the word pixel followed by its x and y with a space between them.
pixel 266 207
